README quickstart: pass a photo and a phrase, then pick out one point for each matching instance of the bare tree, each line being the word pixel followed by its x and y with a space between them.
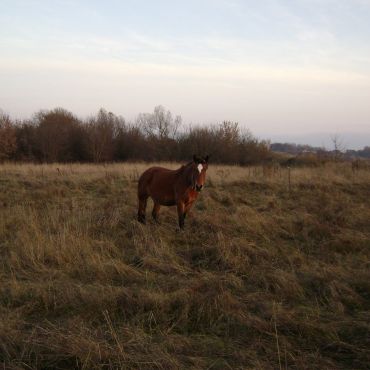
pixel 338 145
pixel 102 131
pixel 55 134
pixel 8 140
pixel 160 123
pixel 27 144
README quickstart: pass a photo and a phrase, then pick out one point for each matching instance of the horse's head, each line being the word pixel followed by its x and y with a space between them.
pixel 199 168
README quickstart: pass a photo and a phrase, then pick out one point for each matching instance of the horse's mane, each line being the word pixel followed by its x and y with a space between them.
pixel 183 168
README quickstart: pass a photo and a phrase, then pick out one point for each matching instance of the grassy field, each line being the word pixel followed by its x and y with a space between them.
pixel 266 275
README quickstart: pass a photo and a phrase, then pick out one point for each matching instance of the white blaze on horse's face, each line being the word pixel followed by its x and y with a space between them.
pixel 200 167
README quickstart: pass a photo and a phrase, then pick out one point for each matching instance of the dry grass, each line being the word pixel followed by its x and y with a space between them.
pixel 263 277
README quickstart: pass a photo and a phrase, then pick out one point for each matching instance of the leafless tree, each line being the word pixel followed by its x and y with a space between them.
pixel 55 134
pixel 338 146
pixel 8 141
pixel 101 132
pixel 160 123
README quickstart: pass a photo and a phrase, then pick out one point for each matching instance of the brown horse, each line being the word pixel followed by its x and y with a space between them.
pixel 172 187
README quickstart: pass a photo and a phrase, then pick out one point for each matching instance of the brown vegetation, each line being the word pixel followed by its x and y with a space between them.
pixel 8 140
pixel 261 277
pixel 59 136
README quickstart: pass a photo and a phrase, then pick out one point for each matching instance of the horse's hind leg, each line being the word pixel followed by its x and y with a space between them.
pixel 142 208
pixel 155 211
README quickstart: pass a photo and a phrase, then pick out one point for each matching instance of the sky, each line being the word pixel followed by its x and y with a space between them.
pixel 286 69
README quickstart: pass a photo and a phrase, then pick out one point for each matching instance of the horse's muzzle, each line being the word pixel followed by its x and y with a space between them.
pixel 198 188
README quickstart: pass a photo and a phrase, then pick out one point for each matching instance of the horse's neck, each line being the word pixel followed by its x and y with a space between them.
pixel 183 168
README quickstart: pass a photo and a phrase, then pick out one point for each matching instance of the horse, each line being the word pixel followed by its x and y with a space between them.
pixel 166 187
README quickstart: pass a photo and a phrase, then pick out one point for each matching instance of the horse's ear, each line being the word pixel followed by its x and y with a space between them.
pixel 196 159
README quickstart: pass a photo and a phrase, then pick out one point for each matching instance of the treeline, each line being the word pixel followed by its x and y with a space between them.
pixel 293 148
pixel 362 153
pixel 60 136
pixel 343 153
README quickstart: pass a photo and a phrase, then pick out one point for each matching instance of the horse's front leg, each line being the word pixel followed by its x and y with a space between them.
pixel 155 211
pixel 187 208
pixel 181 213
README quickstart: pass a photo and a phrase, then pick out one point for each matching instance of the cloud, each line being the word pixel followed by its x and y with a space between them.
pixel 234 73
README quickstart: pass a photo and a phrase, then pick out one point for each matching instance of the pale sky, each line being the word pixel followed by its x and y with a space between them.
pixel 282 68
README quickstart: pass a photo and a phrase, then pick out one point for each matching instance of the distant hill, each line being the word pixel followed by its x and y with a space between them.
pixel 293 148
pixel 350 140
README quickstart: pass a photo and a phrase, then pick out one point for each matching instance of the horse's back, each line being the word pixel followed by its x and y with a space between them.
pixel 148 174
pixel 158 182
